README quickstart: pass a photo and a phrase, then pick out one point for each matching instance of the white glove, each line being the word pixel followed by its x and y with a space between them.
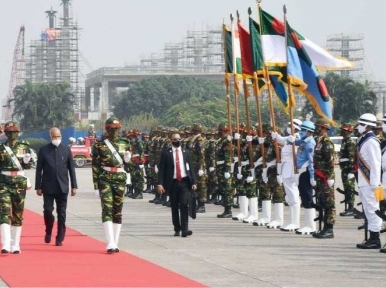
pixel 295 179
pixel 200 172
pixel 279 168
pixel 261 140
pixel 229 137
pixel 96 193
pixel 249 138
pixel 211 169
pixel 330 182
pixel 350 176
pixel 127 156
pixel 227 175
pixel 249 179
pixel 237 136
pixel 290 139
pixel 26 158
pixel 312 182
pixel 148 166
pixel 264 175
pixel 155 169
pixel 274 135
pixel 239 176
pixel 279 179
pixel 140 166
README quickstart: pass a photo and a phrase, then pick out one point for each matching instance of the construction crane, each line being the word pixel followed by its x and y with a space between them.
pixel 16 73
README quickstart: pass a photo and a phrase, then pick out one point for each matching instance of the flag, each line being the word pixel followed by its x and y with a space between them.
pixel 236 51
pixel 280 91
pixel 228 49
pixel 257 50
pixel 52 34
pixel 246 51
pixel 316 90
pixel 274 46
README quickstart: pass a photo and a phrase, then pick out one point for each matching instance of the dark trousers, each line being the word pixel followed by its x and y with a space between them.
pixel 305 189
pixel 179 199
pixel 61 206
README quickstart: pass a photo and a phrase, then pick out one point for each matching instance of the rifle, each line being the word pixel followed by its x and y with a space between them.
pixel 365 225
pixel 347 195
pixel 319 207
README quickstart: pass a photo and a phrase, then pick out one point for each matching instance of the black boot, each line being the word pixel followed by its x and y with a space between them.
pixel 372 243
pixel 348 212
pixel 227 213
pixel 129 191
pixel 157 196
pixel 326 233
pixel 148 188
pixel 383 250
pixel 212 199
pixel 138 195
pixel 200 207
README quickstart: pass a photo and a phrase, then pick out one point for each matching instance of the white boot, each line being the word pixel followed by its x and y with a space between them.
pixel 310 225
pixel 109 233
pixel 117 232
pixel 294 219
pixel 243 202
pixel 5 238
pixel 15 235
pixel 266 210
pixel 253 211
pixel 278 220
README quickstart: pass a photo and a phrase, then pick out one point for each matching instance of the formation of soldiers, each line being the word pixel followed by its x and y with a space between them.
pixel 294 168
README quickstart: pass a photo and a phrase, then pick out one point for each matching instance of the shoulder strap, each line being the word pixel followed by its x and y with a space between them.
pixel 112 149
pixel 13 157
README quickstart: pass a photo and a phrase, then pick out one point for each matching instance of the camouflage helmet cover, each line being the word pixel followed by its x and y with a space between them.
pixel 113 122
pixel 323 123
pixel 12 126
pixel 223 127
pixel 196 127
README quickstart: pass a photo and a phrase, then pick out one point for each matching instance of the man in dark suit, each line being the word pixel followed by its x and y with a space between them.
pixel 176 177
pixel 53 167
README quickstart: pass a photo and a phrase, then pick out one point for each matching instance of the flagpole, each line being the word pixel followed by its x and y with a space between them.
pixel 266 75
pixel 236 96
pixel 290 94
pixel 228 100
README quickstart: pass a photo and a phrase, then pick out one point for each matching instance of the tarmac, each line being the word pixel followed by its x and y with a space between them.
pixel 228 253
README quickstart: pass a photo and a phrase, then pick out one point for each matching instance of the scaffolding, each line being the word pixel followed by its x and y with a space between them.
pixel 350 47
pixel 199 51
pixel 54 58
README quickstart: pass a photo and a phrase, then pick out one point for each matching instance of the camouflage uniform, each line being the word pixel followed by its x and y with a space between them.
pixel 146 162
pixel 210 162
pixel 324 171
pixel 137 177
pixel 346 164
pixel 13 186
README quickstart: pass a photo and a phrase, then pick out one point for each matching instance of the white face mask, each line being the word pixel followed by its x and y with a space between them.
pixel 361 129
pixel 384 128
pixel 56 142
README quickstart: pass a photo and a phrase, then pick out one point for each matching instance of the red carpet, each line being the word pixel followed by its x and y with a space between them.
pixel 81 262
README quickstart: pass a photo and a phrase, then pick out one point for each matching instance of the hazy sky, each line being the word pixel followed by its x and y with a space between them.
pixel 115 32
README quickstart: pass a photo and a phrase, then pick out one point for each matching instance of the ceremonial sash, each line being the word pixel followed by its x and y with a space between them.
pixel 321 175
pixel 17 163
pixel 115 153
pixel 362 165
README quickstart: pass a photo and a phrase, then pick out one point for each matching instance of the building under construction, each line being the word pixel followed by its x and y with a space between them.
pixel 54 58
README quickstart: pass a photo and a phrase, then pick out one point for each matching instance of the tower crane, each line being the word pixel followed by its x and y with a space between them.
pixel 16 73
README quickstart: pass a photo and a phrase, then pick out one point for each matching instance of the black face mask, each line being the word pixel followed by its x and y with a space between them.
pixel 176 143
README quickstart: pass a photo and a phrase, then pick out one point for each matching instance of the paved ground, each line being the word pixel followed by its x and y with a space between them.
pixel 226 253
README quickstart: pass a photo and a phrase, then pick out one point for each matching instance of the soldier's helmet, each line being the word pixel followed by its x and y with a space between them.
pixel 323 123
pixel 12 126
pixel 223 127
pixel 308 126
pixel 368 119
pixel 112 122
pixel 266 127
pixel 196 127
pixel 297 124
pixel 347 127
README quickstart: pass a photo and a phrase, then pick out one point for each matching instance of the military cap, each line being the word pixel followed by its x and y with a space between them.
pixel 12 126
pixel 187 129
pixel 347 127
pixel 136 132
pixel 113 122
pixel 323 123
pixel 196 127
pixel 223 127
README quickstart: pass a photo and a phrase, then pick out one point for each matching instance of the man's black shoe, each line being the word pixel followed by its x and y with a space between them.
pixel 4 251
pixel 383 250
pixel 110 251
pixel 372 243
pixel 187 233
pixel 347 212
pixel 224 215
pixel 357 216
pixel 138 196
pixel 47 238
pixel 116 250
pixel 177 233
pixel 324 234
pixel 58 243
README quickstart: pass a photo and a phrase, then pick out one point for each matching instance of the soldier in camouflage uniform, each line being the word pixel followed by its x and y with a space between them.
pixel 224 162
pixel 197 152
pixel 15 156
pixel 325 178
pixel 146 151
pixel 210 162
pixel 110 165
pixel 346 164
pixel 153 157
pixel 271 191
pixel 137 159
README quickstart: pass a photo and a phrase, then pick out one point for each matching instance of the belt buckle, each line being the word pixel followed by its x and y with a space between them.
pixel 113 169
pixel 13 173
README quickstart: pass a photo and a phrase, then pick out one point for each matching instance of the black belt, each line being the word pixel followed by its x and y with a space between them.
pixel 182 179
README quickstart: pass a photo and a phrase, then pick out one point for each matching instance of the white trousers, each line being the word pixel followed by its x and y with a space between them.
pixel 370 205
pixel 291 191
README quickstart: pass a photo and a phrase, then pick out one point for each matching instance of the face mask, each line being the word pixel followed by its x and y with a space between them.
pixel 361 129
pixel 288 130
pixel 303 134
pixel 176 143
pixel 384 128
pixel 56 142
